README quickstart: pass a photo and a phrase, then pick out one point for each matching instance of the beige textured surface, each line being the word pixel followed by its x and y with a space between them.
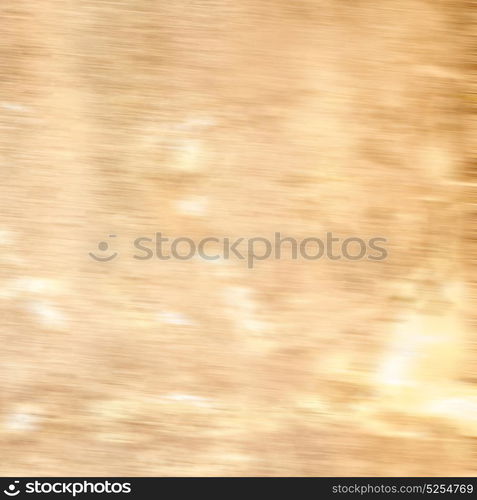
pixel 236 118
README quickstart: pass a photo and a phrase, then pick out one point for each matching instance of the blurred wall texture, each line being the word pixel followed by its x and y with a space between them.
pixel 238 119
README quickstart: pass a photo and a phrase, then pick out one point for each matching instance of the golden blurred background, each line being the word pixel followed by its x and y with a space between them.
pixel 237 118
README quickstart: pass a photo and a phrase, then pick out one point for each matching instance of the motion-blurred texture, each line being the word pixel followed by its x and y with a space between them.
pixel 236 118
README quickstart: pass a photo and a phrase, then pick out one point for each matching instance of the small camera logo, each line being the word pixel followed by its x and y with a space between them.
pixel 12 490
pixel 103 246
